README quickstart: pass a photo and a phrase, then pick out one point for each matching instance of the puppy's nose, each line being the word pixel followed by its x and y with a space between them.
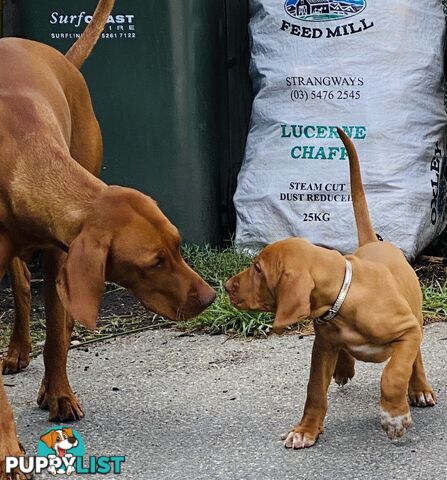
pixel 72 440
pixel 228 285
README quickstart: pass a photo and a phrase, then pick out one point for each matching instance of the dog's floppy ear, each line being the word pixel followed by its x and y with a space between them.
pixel 80 282
pixel 292 293
pixel 49 439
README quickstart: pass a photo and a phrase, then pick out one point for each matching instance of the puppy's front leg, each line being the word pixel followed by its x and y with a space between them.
pixel 305 434
pixel 420 392
pixel 395 412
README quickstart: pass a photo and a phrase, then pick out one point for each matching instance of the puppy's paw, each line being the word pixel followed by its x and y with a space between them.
pixel 343 377
pixel 299 438
pixel 395 427
pixel 424 397
pixel 344 370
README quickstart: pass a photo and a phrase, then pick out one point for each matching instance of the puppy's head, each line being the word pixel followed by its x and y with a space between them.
pixel 279 281
pixel 126 239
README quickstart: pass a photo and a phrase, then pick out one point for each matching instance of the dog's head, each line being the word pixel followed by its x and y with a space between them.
pixel 126 239
pixel 280 281
pixel 60 440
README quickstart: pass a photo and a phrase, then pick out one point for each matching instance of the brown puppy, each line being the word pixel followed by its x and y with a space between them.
pixel 48 201
pixel 379 319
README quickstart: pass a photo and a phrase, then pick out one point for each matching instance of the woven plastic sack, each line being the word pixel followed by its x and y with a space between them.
pixel 373 67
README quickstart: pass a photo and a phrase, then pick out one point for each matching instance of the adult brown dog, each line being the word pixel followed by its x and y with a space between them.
pixel 90 232
pixel 380 318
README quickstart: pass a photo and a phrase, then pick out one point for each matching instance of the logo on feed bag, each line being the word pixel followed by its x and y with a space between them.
pixel 323 10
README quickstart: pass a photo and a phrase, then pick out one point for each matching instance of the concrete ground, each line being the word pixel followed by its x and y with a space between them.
pixel 200 407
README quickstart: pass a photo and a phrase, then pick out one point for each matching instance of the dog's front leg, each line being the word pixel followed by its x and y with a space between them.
pixel 395 412
pixel 55 392
pixel 420 392
pixel 9 445
pixel 306 432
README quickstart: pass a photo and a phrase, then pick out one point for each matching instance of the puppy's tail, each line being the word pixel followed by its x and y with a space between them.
pixel 83 46
pixel 365 230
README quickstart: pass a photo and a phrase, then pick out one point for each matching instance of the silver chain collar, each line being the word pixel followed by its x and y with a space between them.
pixel 332 312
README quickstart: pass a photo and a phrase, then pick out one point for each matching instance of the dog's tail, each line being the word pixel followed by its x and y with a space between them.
pixel 83 46
pixel 365 230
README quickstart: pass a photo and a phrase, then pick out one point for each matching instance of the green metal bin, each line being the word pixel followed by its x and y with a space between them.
pixel 159 79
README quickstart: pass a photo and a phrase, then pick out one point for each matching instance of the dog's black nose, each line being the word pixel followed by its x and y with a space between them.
pixel 72 440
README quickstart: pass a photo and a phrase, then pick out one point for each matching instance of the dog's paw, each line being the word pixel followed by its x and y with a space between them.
pixel 14 450
pixel 17 359
pixel 299 438
pixel 14 475
pixel 425 397
pixel 395 427
pixel 62 406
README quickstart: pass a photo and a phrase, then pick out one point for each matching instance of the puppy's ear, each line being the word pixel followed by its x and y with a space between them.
pixel 292 294
pixel 80 282
pixel 49 439
pixel 69 432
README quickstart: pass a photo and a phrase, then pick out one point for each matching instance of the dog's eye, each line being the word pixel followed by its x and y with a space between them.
pixel 155 263
pixel 158 263
pixel 257 268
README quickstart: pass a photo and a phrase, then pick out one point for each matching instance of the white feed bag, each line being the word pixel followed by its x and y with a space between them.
pixel 372 67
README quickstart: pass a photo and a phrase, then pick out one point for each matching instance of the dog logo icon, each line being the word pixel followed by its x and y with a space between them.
pixel 323 10
pixel 61 443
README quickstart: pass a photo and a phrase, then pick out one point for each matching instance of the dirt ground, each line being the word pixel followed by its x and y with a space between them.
pixel 121 313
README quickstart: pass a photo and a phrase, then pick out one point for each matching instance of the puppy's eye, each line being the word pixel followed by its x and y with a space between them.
pixel 257 268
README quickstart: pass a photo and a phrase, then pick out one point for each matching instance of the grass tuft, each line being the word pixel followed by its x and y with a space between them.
pixel 216 266
pixel 222 317
pixel 435 300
